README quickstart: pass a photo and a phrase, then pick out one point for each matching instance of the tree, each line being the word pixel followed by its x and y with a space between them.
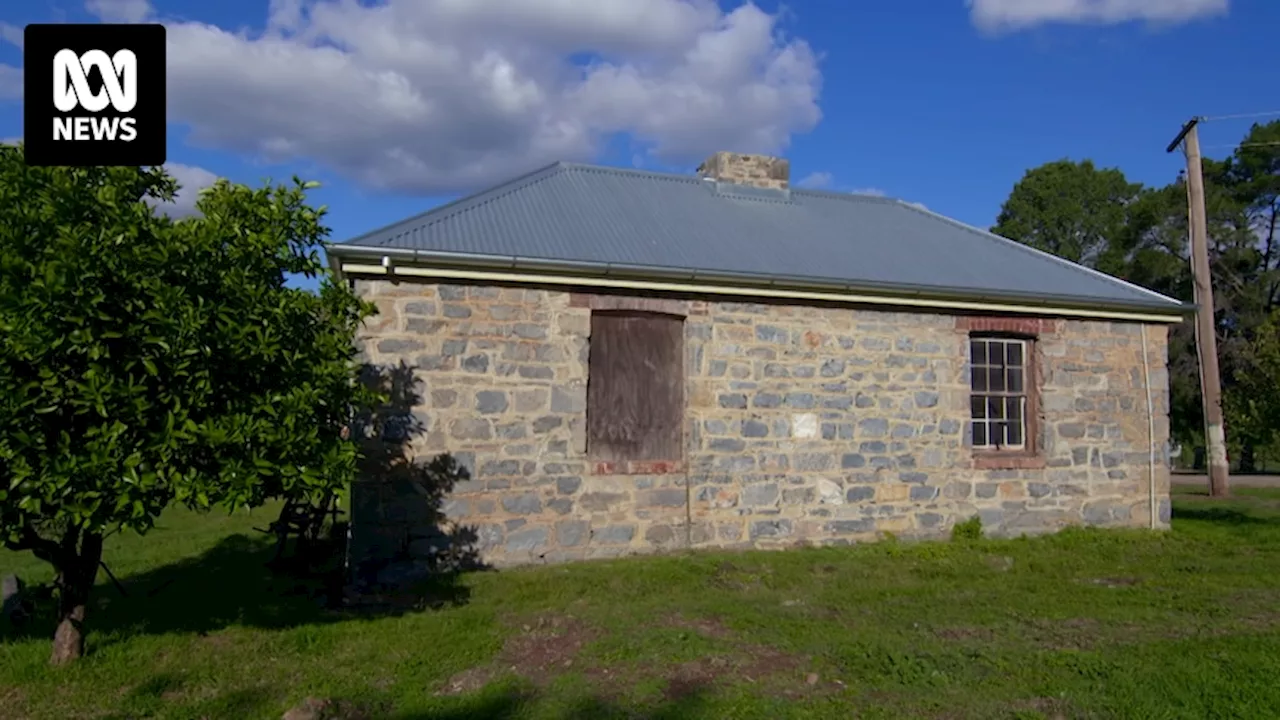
pixel 1097 218
pixel 146 361
pixel 1070 209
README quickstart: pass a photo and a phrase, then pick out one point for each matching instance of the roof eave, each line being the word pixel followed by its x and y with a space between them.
pixel 385 256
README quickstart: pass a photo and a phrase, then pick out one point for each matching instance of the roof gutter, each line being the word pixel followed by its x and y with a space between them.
pixel 514 268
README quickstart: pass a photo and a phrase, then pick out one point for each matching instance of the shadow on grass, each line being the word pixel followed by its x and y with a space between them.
pixel 1223 516
pixel 681 702
pixel 408 556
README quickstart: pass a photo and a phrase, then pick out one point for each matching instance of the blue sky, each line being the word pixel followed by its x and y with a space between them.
pixel 943 102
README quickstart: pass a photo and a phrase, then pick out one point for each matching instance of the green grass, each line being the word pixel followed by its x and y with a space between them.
pixel 1081 624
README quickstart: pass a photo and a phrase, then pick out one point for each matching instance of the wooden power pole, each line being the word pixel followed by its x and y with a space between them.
pixel 1206 333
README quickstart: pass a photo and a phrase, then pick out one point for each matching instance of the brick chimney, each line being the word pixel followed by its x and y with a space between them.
pixel 760 171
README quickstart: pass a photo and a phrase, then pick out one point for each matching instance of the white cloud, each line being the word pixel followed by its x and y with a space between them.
pixel 815 180
pixel 439 96
pixel 191 180
pixel 11 34
pixel 119 11
pixel 1010 15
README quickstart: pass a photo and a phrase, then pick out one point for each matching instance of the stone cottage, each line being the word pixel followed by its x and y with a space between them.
pixel 626 361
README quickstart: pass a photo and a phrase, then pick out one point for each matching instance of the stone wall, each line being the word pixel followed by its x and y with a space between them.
pixel 804 425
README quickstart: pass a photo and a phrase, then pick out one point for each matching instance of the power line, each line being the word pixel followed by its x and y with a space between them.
pixel 1239 145
pixel 1240 116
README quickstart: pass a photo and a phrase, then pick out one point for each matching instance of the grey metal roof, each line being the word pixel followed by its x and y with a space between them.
pixel 601 218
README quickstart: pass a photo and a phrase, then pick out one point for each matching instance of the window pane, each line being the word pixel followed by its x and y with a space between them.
pixel 998 436
pixel 978 406
pixel 995 408
pixel 995 379
pixel 979 433
pixel 1013 410
pixel 1015 434
pixel 978 379
pixel 1015 380
pixel 995 354
pixel 1014 353
pixel 978 352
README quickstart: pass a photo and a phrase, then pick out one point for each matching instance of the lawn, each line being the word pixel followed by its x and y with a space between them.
pixel 1081 624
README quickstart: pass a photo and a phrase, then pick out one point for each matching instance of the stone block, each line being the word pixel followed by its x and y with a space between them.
pixel 601 501
pixel 851 527
pixel 614 535
pixel 770 529
pixel 873 427
pixel 394 346
pixel 923 493
pixel 850 461
pixel 523 504
pixel 572 533
pixel 546 424
pixel 860 493
pixel 489 402
pixel 476 364
pixel 733 445
pixel 661 535
pixel 471 429
pixel 529 539
pixel 760 495
pixel 568 485
pixel 568 399
pixel 665 497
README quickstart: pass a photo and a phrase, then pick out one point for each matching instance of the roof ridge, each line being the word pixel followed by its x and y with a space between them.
pixel 466 202
pixel 1082 269
pixel 613 169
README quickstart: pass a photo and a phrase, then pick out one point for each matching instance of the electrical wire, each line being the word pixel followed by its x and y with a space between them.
pixel 1239 145
pixel 1240 116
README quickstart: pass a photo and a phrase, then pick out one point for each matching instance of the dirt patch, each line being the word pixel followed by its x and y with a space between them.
pixel 324 709
pixel 1114 582
pixel 783 672
pixel 1050 708
pixel 1068 634
pixel 541 650
pixel 706 627
pixel 537 652
pixel 966 633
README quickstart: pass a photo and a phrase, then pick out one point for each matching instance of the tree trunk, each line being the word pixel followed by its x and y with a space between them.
pixel 75 582
pixel 1248 458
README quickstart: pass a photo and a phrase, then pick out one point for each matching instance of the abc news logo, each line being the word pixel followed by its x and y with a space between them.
pixel 71 90
pixel 94 95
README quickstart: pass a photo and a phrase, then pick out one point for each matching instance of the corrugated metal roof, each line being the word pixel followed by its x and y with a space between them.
pixel 601 216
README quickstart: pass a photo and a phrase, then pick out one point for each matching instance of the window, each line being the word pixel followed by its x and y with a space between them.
pixel 1000 398
pixel 635 390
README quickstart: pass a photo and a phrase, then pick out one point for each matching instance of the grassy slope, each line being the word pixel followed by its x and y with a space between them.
pixel 1095 624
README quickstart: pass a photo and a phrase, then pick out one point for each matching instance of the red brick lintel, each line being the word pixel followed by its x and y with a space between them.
pixel 638 467
pixel 683 308
pixel 1007 461
pixel 1007 323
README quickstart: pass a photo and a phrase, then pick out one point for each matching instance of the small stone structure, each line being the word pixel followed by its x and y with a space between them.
pixel 754 170
pixel 802 423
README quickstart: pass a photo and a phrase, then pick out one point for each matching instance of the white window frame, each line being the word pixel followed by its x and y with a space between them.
pixel 989 424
